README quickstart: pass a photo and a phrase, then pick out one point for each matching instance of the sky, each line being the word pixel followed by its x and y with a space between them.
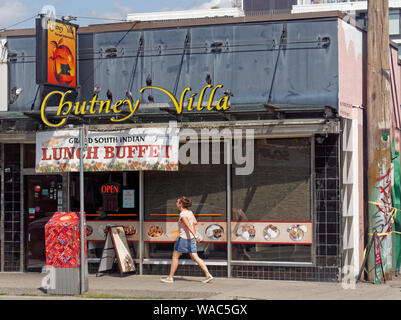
pixel 100 11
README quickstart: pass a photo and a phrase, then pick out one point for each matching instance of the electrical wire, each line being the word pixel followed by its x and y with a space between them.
pixel 36 15
pixel 17 23
pixel 117 44
pixel 148 54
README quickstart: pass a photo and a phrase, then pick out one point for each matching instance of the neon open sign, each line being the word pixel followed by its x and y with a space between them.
pixel 110 189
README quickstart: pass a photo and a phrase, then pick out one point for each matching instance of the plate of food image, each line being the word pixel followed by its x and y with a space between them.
pixel 246 231
pixel 155 231
pixel 89 230
pixel 199 236
pixel 271 232
pixel 214 232
pixel 129 230
pixel 296 232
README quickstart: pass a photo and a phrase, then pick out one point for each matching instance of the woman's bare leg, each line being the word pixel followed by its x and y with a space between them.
pixel 174 264
pixel 194 256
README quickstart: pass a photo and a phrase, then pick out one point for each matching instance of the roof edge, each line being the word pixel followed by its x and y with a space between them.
pixel 145 25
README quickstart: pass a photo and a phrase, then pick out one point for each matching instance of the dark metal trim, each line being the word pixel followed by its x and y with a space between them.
pixel 143 25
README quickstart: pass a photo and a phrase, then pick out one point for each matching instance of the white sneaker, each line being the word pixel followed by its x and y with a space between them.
pixel 208 279
pixel 167 280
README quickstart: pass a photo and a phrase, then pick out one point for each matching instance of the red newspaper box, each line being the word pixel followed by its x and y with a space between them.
pixel 63 252
pixel 63 241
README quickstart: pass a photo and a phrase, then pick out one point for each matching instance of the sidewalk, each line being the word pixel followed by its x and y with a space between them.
pixel 27 286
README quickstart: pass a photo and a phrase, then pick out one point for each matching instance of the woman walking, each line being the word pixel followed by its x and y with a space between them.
pixel 186 243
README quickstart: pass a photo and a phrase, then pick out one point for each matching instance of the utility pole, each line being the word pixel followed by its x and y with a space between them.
pixel 378 137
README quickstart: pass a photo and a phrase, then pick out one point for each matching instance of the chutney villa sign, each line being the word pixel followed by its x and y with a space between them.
pixel 125 150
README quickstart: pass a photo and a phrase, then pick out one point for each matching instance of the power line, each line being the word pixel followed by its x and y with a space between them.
pixel 101 61
pixel 36 15
pixel 15 24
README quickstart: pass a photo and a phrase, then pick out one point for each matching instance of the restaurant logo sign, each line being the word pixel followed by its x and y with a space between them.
pixel 56 52
pixel 124 150
pixel 116 109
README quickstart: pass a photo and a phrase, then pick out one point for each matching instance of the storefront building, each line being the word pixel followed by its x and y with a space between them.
pixel 297 215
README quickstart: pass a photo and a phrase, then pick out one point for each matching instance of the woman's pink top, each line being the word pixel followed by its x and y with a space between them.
pixel 184 232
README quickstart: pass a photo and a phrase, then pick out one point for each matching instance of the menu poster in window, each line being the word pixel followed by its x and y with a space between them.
pixel 129 198
pixel 275 232
pixel 163 231
pixel 98 229
pixel 31 213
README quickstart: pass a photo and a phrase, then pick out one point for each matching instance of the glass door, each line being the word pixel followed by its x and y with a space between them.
pixel 43 193
pixel 111 198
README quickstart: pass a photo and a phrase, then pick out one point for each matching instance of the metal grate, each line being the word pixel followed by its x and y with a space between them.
pixel 12 208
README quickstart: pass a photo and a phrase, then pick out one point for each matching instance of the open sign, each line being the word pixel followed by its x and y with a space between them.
pixel 110 189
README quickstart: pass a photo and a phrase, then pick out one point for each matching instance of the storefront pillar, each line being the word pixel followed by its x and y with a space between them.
pixel 141 219
pixel 22 205
pixel 2 211
pixel 229 163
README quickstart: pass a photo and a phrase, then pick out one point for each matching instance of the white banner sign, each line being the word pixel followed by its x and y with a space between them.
pixel 126 150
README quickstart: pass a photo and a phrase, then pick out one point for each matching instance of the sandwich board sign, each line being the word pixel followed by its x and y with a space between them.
pixel 116 247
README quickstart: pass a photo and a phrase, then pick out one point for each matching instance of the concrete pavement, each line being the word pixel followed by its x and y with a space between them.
pixel 27 286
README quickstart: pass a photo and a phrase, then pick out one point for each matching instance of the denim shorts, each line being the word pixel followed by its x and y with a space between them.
pixel 185 245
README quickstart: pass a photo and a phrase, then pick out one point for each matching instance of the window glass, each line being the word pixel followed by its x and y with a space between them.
pixel 394 22
pixel 362 19
pixel 110 198
pixel 271 218
pixel 104 195
pixel 205 185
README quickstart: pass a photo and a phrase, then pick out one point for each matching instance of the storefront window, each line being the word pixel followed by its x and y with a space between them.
pixel 205 185
pixel 106 191
pixel 110 198
pixel 394 22
pixel 271 218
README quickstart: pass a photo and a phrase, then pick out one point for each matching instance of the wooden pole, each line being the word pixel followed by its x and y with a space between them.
pixel 378 133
